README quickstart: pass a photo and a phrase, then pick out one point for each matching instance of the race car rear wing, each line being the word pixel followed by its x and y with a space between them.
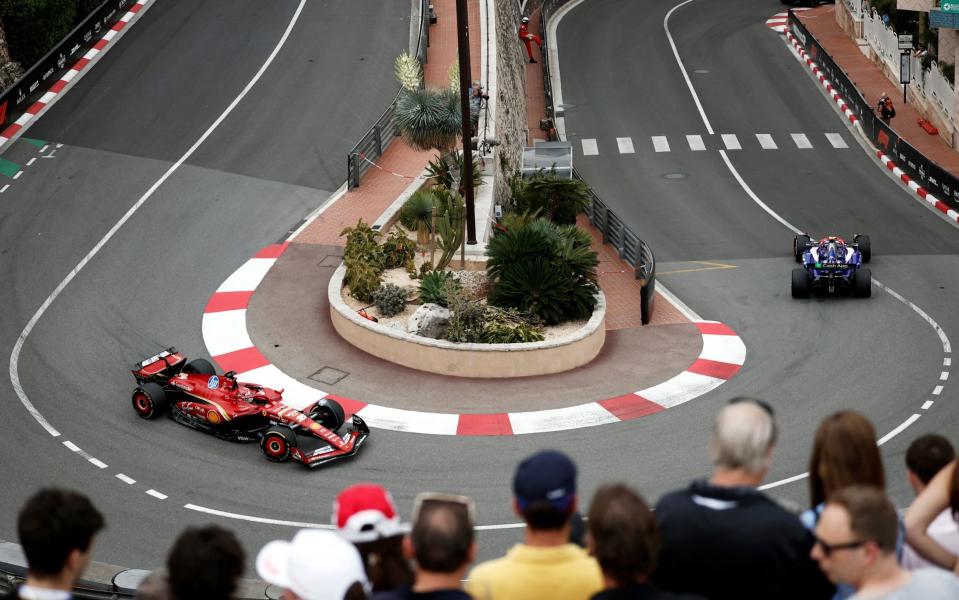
pixel 158 362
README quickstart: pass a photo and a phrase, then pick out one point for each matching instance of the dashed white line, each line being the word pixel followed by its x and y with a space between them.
pixel 947 362
pixel 44 149
pixel 731 141
pixel 660 143
pixel 31 161
pixel 696 143
pixel 766 141
pixel 97 462
pixel 898 430
pixel 157 494
pixel 73 447
pixel 125 479
pixel 927 404
pixel 589 147
pixel 937 390
pixel 802 142
pixel 4 188
pixel 944 376
pixel 17 176
pixel 59 145
pixel 836 140
pixel 625 145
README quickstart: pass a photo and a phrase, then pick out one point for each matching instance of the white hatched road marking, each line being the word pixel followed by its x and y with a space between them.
pixel 157 494
pixel 836 140
pixel 125 479
pixel 731 141
pixel 660 143
pixel 766 141
pixel 696 143
pixel 589 147
pixel 802 142
pixel 625 145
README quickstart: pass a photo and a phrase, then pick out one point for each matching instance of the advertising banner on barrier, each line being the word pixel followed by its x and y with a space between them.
pixel 936 180
pixel 16 99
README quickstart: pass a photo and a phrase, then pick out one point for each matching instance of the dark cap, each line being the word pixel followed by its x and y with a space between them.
pixel 548 476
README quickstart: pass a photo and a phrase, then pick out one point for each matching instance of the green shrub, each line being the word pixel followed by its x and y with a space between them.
pixel 389 299
pixel 362 278
pixel 467 316
pixel 398 250
pixel 543 269
pixel 558 198
pixel 433 287
pixel 417 213
pixel 505 333
pixel 450 213
pixel 447 171
pixel 34 27
pixel 85 7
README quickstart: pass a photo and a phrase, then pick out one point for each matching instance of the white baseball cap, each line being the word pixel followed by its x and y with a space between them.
pixel 316 565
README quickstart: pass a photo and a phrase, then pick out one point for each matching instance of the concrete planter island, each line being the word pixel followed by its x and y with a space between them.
pixel 467 360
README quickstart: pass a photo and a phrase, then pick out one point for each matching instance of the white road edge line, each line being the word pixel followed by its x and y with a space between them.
pixel 18 346
pixel 682 68
pixel 17 176
pixel 679 304
pixel 73 447
pixel 31 161
pixel 4 188
pixel 125 479
pixel 97 462
pixel 927 404
pixel 156 494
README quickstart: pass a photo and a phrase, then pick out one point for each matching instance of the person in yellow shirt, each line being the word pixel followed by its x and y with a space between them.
pixel 546 564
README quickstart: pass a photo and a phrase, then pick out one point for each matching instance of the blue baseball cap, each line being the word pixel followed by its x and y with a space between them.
pixel 547 476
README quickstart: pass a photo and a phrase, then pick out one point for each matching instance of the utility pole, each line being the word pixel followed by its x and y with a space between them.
pixel 463 37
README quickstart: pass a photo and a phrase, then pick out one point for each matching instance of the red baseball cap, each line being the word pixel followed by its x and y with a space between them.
pixel 366 512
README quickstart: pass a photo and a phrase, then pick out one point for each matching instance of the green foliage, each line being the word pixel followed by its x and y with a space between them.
pixel 85 7
pixel 557 198
pixel 364 260
pixel 510 327
pixel 446 171
pixel 434 285
pixel 467 316
pixel 389 299
pixel 426 268
pixel 544 269
pixel 417 211
pixel 514 219
pixel 398 250
pixel 948 71
pixel 429 119
pixel 34 27
pixel 451 213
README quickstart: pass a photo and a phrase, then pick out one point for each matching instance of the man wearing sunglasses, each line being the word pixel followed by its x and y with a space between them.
pixel 546 564
pixel 856 545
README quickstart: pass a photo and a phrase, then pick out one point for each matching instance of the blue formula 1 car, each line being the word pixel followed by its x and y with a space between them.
pixel 831 264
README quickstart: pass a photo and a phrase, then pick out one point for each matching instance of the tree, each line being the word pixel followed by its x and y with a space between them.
pixel 34 27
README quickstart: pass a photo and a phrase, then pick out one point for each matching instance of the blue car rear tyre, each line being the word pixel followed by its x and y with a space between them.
pixel 800 284
pixel 862 283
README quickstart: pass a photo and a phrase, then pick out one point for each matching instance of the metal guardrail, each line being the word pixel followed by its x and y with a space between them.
pixel 630 246
pixel 379 137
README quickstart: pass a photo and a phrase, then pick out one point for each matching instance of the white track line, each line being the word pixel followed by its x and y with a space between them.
pixel 31 161
pixel 660 143
pixel 18 346
pixel 937 390
pixel 125 479
pixel 836 140
pixel 625 145
pixel 731 141
pixel 927 404
pixel 157 494
pixel 682 67
pixel 766 141
pixel 802 142
pixel 696 143
pixel 589 147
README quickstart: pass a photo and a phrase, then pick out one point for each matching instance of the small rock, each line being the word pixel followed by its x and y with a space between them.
pixel 429 320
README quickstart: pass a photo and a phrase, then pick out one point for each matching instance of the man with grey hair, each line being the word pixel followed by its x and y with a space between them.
pixel 722 537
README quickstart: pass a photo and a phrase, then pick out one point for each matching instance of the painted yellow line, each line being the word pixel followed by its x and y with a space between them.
pixel 713 267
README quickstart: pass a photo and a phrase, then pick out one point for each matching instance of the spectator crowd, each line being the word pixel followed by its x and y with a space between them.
pixel 719 537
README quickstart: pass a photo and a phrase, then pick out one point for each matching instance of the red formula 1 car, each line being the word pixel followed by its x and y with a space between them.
pixel 194 395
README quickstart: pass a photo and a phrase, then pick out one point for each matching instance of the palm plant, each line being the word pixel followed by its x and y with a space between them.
pixel 417 214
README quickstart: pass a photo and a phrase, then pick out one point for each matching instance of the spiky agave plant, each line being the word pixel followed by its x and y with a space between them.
pixel 428 119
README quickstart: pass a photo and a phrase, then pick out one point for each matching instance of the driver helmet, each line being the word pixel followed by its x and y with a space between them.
pixel 525 19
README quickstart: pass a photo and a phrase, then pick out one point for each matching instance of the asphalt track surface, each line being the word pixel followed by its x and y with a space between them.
pixel 258 174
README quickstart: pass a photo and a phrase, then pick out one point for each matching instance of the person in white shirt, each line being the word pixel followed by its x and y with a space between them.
pixel 926 456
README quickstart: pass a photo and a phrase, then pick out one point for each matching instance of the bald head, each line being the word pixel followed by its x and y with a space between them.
pixel 743 436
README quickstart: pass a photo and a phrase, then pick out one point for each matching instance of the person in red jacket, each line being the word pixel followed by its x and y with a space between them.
pixel 528 37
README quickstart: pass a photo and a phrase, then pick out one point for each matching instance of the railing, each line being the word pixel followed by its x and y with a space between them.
pixel 379 137
pixel 855 8
pixel 934 86
pixel 631 248
pixel 883 40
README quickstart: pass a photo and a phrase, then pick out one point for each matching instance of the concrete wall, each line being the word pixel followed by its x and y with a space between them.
pixel 510 98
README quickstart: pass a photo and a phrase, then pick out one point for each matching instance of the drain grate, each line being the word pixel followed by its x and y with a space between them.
pixel 328 375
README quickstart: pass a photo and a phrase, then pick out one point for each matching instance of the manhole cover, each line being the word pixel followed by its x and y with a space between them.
pixel 674 176
pixel 328 375
pixel 701 71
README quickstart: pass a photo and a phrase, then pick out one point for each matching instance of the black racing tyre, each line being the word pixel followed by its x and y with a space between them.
pixel 149 400
pixel 329 414
pixel 862 283
pixel 277 443
pixel 800 243
pixel 200 366
pixel 865 247
pixel 800 284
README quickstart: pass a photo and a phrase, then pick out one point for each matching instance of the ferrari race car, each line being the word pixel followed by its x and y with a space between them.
pixel 831 264
pixel 194 395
